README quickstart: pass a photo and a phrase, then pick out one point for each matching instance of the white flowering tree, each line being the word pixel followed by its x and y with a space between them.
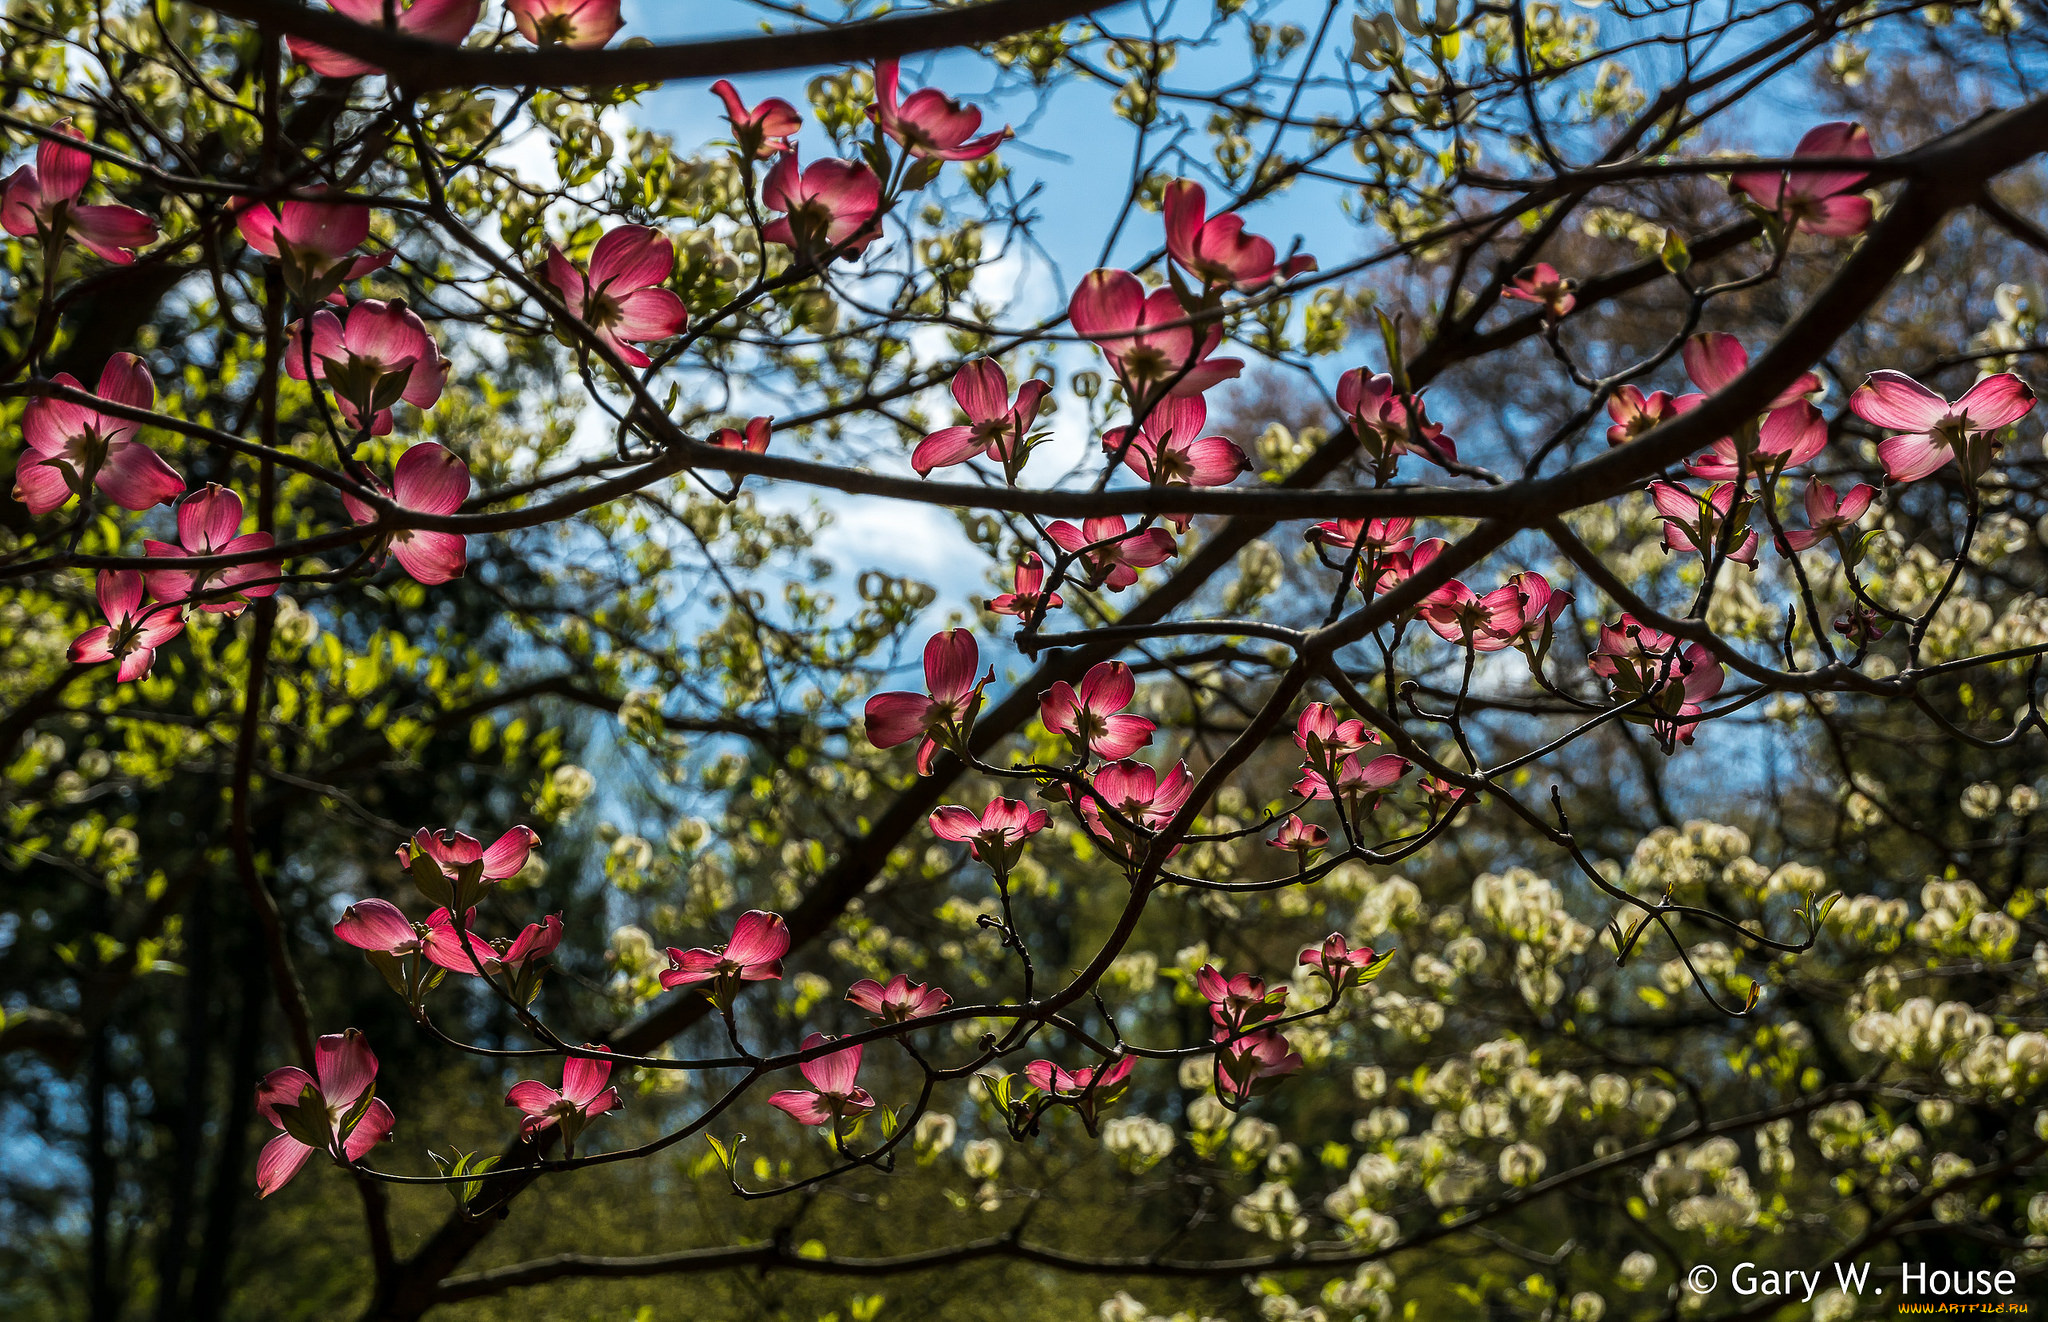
pixel 639 657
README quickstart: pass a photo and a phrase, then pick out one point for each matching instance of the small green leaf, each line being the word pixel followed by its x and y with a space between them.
pixel 1674 254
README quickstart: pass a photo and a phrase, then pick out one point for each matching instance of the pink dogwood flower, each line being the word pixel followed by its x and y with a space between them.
pixel 72 448
pixel 753 438
pixel 1112 553
pixel 41 201
pixel 827 206
pixel 131 634
pixel 1373 535
pixel 1390 571
pixel 1030 596
pixel 1441 793
pixel 1325 739
pixel 1541 605
pixel 995 426
pixel 623 297
pixel 1239 1001
pixel 898 1000
pixel 763 131
pixel 428 479
pixel 1788 436
pixel 1389 424
pixel 210 523
pixel 1340 963
pixel 835 1095
pixel 1667 683
pixel 1134 330
pixel 928 123
pixel 1861 625
pixel 314 242
pixel 454 870
pixel 1817 201
pixel 997 836
pixel 1696 523
pixel 378 355
pixel 1827 514
pixel 1094 717
pixel 1929 431
pixel 381 930
pixel 1299 837
pixel 446 21
pixel 753 954
pixel 584 1095
pixel 1542 285
pixel 1169 450
pixel 337 1113
pixel 527 955
pixel 1215 249
pixel 1139 795
pixel 1356 784
pixel 1457 614
pixel 579 24
pixel 941 717
pixel 1088 1088
pixel 1636 413
pixel 1252 1064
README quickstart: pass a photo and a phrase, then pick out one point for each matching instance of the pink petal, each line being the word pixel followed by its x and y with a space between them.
pixel 583 1078
pixel 63 169
pixel 950 660
pixel 135 477
pixel 835 1072
pixel 113 232
pixel 345 1067
pixel 126 380
pixel 376 925
pixel 1895 400
pixel 441 20
pixel 1107 302
pixel 1713 359
pixel 952 822
pixel 533 1097
pixel 1846 213
pixel 1832 139
pixel 120 594
pixel 1108 686
pixel 759 937
pixel 803 1106
pixel 281 1087
pixel 209 519
pixel 280 1159
pixel 40 484
pixel 944 448
pixel 1185 206
pixel 507 855
pixel 568 280
pixel 1910 457
pixel 647 315
pixel 1126 734
pixel 1797 431
pixel 386 333
pixel 430 479
pixel 135 663
pixel 983 390
pixel 895 718
pixel 631 257
pixel 374 1127
pixel 330 229
pixel 431 557
pixel 1996 401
